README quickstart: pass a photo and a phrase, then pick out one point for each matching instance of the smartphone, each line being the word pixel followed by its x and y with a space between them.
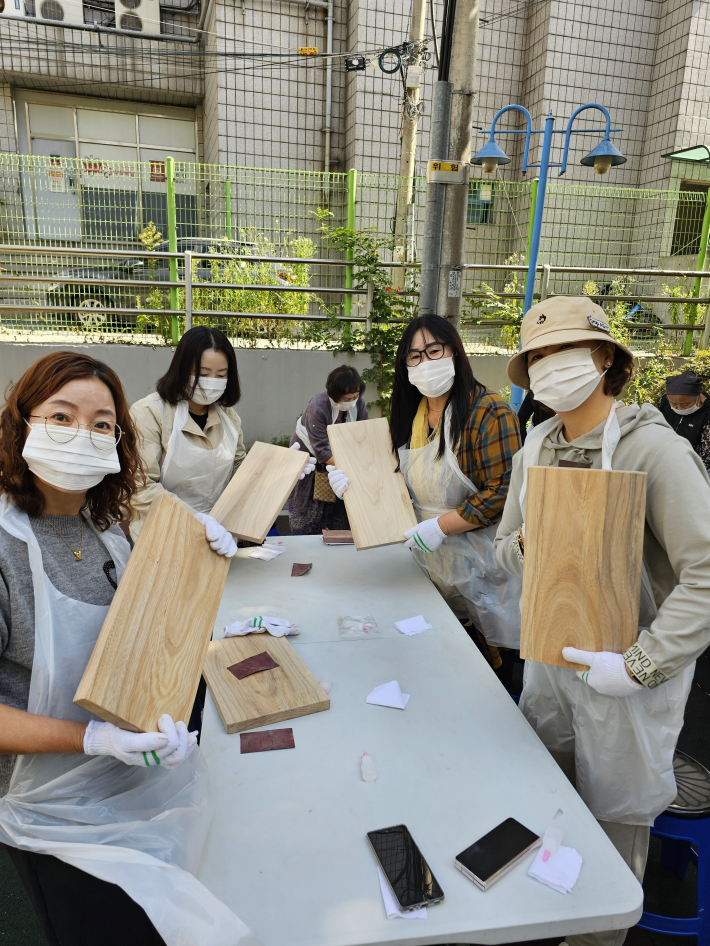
pixel 496 852
pixel 407 873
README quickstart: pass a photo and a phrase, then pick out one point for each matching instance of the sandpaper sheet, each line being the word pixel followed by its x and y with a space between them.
pixel 299 569
pixel 255 664
pixel 266 740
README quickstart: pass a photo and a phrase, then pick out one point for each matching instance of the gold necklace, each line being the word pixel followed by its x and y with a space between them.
pixel 77 554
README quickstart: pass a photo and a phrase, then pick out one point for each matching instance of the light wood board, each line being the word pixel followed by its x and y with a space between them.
pixel 256 494
pixel 583 562
pixel 377 500
pixel 287 691
pixel 149 655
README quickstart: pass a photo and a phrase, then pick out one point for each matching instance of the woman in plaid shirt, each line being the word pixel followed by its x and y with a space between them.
pixel 456 442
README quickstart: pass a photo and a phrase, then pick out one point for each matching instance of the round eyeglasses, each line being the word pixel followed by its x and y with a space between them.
pixel 433 351
pixel 62 427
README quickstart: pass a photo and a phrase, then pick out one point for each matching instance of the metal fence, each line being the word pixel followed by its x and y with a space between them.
pixel 68 213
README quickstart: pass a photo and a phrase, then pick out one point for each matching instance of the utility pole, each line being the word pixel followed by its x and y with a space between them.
pixel 450 141
pixel 410 120
pixel 462 75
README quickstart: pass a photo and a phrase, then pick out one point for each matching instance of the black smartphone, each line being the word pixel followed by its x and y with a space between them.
pixel 496 852
pixel 407 873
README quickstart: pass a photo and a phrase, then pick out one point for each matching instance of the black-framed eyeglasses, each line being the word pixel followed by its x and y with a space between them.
pixel 63 427
pixel 433 351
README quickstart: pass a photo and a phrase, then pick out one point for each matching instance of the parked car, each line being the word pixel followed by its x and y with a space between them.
pixel 91 300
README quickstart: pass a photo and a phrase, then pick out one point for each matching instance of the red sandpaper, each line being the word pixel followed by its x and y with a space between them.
pixel 253 664
pixel 266 740
pixel 299 569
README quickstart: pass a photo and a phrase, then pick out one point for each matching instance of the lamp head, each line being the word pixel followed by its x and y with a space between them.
pixel 490 156
pixel 603 157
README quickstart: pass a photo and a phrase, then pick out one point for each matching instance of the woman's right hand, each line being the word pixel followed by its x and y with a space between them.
pixel 172 745
pixel 338 481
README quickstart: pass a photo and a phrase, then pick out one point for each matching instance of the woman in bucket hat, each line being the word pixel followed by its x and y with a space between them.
pixel 613 728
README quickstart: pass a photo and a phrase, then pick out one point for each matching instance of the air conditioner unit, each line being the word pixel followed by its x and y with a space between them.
pixel 12 7
pixel 140 16
pixel 64 11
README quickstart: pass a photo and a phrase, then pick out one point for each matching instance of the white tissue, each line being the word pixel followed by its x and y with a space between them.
pixel 389 694
pixel 391 908
pixel 412 626
pixel 266 553
pixel 560 871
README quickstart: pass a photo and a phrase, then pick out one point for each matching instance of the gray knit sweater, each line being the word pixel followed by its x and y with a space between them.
pixel 92 580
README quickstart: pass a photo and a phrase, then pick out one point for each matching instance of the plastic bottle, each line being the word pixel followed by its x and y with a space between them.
pixel 325 684
pixel 367 767
pixel 551 841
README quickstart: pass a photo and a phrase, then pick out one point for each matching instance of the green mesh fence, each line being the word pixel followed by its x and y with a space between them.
pixel 91 205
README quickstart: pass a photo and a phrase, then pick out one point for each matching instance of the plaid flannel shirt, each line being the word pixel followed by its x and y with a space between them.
pixel 485 455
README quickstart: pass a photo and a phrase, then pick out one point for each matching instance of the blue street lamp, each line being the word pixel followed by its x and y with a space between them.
pixel 602 158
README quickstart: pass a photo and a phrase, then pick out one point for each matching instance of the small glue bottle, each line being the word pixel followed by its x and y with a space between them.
pixel 367 767
pixel 551 841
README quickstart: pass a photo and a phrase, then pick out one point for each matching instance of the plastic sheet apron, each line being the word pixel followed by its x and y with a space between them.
pixel 623 746
pixel 464 568
pixel 140 828
pixel 195 475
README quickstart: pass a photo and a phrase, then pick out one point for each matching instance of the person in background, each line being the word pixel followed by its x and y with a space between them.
pixel 613 728
pixel 85 807
pixel 686 407
pixel 455 441
pixel 312 506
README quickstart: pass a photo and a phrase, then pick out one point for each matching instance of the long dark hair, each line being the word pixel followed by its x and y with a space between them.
pixel 406 398
pixel 175 383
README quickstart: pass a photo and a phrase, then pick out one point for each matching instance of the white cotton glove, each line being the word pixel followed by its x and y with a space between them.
pixel 167 747
pixel 607 672
pixel 427 536
pixel 310 466
pixel 338 481
pixel 220 540
pixel 277 627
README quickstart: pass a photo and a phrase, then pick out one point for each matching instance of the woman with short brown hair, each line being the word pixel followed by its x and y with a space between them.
pixel 100 823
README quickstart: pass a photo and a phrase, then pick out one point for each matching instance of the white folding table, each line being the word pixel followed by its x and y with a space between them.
pixel 287 849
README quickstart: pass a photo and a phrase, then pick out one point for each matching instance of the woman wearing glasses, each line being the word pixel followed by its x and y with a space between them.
pixel 456 442
pixel 101 824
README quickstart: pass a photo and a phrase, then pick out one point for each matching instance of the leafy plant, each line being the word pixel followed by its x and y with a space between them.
pixel 648 384
pixel 616 310
pixel 494 305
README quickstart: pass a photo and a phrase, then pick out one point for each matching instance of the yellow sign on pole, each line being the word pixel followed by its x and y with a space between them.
pixel 446 172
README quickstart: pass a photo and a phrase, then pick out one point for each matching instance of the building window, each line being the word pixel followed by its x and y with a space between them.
pixel 480 203
pixel 688 220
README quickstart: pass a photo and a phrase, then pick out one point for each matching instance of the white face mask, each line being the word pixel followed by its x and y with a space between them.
pixel 343 405
pixel 433 378
pixel 566 379
pixel 77 465
pixel 686 410
pixel 208 390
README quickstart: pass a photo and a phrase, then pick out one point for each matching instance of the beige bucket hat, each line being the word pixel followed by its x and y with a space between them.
pixel 557 321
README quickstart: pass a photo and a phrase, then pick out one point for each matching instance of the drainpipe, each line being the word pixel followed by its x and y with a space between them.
pixel 328 94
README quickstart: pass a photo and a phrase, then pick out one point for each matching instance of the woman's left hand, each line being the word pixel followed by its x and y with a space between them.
pixel 310 466
pixel 427 536
pixel 220 540
pixel 607 672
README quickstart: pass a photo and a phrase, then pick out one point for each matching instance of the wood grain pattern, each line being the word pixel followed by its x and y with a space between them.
pixel 256 494
pixel 149 655
pixel 583 562
pixel 377 500
pixel 288 691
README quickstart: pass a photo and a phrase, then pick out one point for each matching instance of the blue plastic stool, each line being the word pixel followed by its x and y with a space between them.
pixel 684 828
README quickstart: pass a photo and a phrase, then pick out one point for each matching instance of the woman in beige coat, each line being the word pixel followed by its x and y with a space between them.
pixel 190 436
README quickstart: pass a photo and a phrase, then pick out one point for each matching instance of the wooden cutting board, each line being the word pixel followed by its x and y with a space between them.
pixel 256 494
pixel 288 691
pixel 377 500
pixel 148 657
pixel 583 562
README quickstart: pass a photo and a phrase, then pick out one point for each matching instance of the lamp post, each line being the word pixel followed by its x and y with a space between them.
pixel 602 158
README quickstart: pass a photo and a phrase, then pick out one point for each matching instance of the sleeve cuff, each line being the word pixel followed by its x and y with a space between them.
pixel 644 670
pixel 469 512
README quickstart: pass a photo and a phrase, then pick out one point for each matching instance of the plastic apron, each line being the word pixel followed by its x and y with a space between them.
pixel 302 433
pixel 464 568
pixel 195 475
pixel 623 746
pixel 140 828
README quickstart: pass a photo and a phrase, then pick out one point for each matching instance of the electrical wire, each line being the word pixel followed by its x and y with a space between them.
pixel 521 8
pixel 433 33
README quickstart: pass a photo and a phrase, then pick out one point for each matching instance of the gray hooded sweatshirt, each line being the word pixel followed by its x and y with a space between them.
pixel 676 549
